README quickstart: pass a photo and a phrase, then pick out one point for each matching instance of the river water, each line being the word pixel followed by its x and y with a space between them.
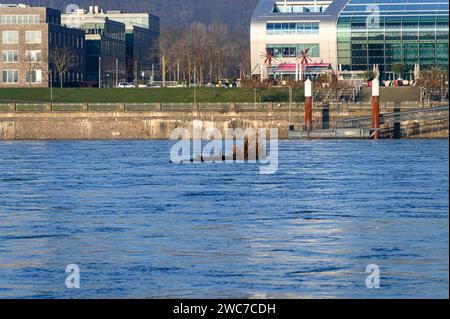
pixel 138 226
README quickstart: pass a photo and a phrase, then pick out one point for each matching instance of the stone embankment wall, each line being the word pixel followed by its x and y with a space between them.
pixel 121 122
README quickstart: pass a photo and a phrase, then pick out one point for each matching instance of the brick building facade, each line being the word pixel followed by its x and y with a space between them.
pixel 29 36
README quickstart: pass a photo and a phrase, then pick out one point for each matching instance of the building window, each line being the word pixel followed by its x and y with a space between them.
pixel 10 56
pixel 34 76
pixel 10 37
pixel 33 56
pixel 10 76
pixel 33 36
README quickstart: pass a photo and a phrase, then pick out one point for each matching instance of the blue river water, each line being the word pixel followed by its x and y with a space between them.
pixel 140 227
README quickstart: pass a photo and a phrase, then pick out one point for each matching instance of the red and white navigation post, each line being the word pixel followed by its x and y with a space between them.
pixel 308 105
pixel 376 108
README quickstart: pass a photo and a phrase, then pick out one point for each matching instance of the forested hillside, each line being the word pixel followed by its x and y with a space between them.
pixel 174 13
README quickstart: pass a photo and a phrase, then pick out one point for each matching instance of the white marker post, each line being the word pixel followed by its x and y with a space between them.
pixel 300 72
pixel 262 73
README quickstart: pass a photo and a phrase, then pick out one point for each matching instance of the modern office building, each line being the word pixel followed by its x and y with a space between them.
pixel 142 41
pixel 120 46
pixel 351 36
pixel 32 42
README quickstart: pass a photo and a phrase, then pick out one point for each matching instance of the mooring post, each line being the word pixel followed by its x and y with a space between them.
pixel 308 105
pixel 232 106
pixel 376 107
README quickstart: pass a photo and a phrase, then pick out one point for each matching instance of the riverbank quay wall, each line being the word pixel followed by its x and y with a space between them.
pixel 120 121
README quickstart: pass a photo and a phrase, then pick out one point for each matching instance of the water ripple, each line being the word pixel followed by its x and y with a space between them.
pixel 141 227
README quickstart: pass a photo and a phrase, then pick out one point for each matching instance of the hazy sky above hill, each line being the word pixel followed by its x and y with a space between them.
pixel 235 13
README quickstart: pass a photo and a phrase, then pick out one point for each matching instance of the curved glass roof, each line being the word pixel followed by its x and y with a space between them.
pixel 396 7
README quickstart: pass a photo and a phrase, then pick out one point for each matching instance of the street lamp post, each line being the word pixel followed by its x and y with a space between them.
pixel 136 80
pixel 117 72
pixel 51 87
pixel 153 73
pixel 99 72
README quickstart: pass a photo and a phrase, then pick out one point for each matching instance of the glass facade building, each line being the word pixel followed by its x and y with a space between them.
pixel 106 45
pixel 126 43
pixel 353 36
pixel 386 32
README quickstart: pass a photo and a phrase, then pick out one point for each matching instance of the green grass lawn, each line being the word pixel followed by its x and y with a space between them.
pixel 146 95
pixel 395 94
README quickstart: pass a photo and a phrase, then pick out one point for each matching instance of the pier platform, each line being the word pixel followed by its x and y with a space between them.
pixel 348 133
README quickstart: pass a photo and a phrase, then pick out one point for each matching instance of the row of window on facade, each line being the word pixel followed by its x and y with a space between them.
pixel 299 8
pixel 113 48
pixel 111 32
pixel 395 22
pixel 142 22
pixel 37 76
pixel 396 7
pixel 20 19
pixel 12 37
pixel 430 26
pixel 35 37
pixel 28 19
pixel 292 28
pixel 313 27
pixel 61 39
pixel 12 56
pixel 12 76
pixel 292 50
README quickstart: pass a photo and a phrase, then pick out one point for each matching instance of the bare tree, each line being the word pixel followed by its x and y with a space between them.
pixel 219 34
pixel 33 61
pixel 63 61
pixel 214 51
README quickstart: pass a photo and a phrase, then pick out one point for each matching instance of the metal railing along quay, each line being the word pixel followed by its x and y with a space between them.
pixel 149 107
pixel 206 107
pixel 388 119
